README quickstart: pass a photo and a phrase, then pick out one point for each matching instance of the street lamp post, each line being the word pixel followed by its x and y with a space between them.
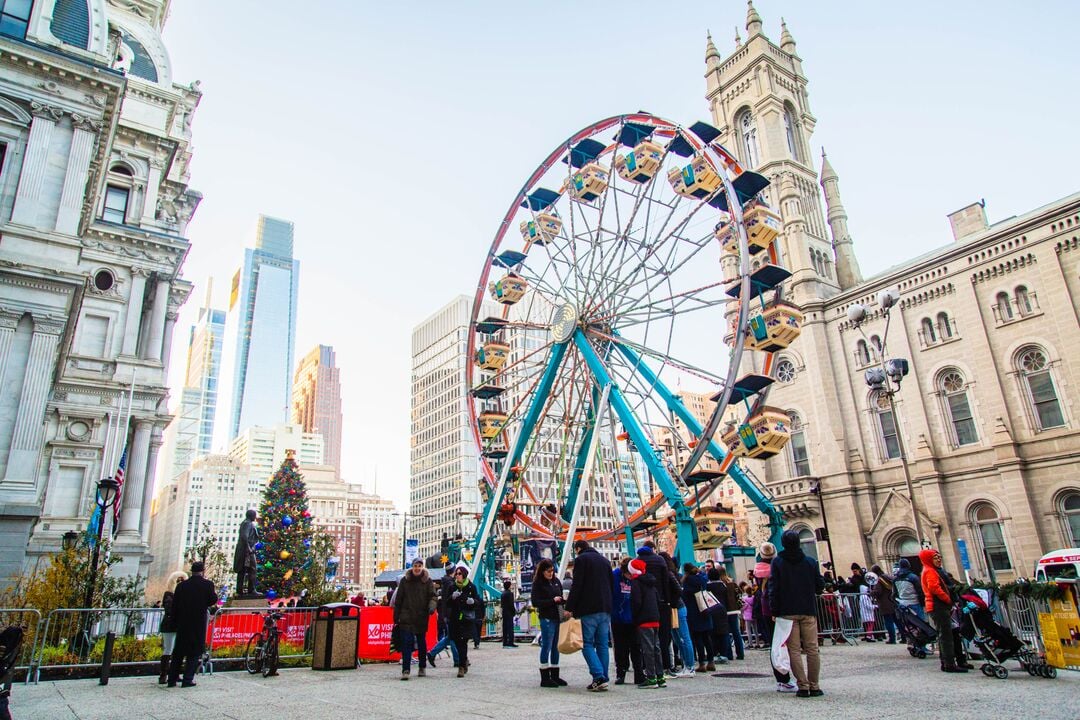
pixel 816 490
pixel 69 540
pixel 108 491
pixel 885 379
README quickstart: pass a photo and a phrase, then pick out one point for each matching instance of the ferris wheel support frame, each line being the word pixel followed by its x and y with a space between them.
pixel 675 405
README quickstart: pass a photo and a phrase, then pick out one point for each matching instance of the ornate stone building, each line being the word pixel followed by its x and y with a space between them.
pixel 988 322
pixel 94 205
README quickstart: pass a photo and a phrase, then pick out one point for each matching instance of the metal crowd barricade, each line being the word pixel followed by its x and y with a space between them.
pixel 1021 616
pixel 75 637
pixel 232 628
pixel 848 616
pixel 30 620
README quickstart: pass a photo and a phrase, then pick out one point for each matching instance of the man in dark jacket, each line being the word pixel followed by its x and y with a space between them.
pixel 794 584
pixel 446 587
pixel 509 610
pixel 590 602
pixel 414 601
pixel 191 601
pixel 666 594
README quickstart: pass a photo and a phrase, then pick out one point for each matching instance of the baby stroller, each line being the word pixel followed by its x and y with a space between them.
pixel 996 643
pixel 918 632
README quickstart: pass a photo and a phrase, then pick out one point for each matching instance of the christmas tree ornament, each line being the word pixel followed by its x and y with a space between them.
pixel 271 593
pixel 286 521
pixel 284 554
pixel 288 573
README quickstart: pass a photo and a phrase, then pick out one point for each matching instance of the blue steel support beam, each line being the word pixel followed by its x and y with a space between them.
pixel 675 405
pixel 684 547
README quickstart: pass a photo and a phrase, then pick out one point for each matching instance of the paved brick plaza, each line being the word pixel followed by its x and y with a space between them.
pixel 879 682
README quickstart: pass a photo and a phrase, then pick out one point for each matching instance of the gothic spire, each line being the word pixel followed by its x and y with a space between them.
pixel 787 43
pixel 738 38
pixel 753 20
pixel 847 265
pixel 712 55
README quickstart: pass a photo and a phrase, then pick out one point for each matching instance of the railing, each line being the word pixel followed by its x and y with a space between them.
pixel 30 620
pixel 75 637
pixel 231 628
pixel 848 616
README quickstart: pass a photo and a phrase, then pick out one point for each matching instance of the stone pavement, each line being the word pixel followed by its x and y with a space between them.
pixel 869 681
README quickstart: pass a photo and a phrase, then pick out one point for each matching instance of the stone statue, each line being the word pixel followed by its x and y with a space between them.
pixel 244 564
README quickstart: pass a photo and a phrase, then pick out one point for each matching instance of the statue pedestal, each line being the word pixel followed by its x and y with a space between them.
pixel 249 600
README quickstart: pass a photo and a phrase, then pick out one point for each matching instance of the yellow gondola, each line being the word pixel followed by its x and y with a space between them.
pixel 696 179
pixel 589 182
pixel 714 528
pixel 509 289
pixel 764 434
pixel 641 163
pixel 543 229
pixel 491 424
pixel 762 227
pixel 492 355
pixel 775 328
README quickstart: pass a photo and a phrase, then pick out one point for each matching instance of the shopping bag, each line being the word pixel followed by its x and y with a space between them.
pixel 570 638
pixel 674 618
pixel 395 639
pixel 781 660
pixel 706 601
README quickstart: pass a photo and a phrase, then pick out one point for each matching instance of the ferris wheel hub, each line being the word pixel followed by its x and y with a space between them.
pixel 564 322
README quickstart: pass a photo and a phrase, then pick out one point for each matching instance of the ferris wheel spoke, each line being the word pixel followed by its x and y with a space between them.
pixel 676 305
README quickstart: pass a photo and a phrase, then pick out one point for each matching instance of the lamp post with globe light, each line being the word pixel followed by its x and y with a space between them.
pixel 884 380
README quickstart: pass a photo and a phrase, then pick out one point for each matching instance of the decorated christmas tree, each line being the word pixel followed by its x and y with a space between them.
pixel 284 552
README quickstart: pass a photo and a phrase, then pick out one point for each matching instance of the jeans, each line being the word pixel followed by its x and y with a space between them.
pixel 445 642
pixel 649 639
pixel 409 642
pixel 595 634
pixel 736 636
pixel 890 625
pixel 549 642
pixel 665 635
pixel 803 639
pixel 686 645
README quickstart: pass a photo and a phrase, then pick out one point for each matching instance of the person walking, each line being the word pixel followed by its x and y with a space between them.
pixel 623 631
pixel 701 624
pixel 939 603
pixel 444 588
pixel 548 599
pixel 462 608
pixel 508 608
pixel 794 583
pixel 168 624
pixel 645 614
pixel 192 600
pixel 883 590
pixel 763 614
pixel 590 602
pixel 666 597
pixel 414 602
pixel 733 603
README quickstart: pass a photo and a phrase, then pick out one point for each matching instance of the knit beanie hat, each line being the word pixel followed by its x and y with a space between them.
pixel 767 551
pixel 636 568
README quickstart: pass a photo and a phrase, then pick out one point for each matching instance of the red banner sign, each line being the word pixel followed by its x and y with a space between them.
pixel 376 627
pixel 235 628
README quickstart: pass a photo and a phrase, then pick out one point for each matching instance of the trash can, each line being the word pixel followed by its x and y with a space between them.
pixel 337 627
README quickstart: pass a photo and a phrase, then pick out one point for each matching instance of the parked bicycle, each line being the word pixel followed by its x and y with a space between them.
pixel 261 655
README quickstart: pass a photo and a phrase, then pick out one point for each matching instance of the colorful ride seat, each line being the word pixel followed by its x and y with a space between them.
pixel 639 164
pixel 543 229
pixel 764 434
pixel 492 355
pixel 509 289
pixel 588 182
pixel 491 424
pixel 696 179
pixel 762 227
pixel 776 327
pixel 714 528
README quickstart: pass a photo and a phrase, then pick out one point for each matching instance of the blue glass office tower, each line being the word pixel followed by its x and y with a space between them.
pixel 262 309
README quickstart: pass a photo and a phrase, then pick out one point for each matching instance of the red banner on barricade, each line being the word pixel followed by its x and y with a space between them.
pixel 230 628
pixel 376 626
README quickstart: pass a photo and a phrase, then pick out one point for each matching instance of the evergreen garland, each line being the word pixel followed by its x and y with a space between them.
pixel 283 553
pixel 1023 589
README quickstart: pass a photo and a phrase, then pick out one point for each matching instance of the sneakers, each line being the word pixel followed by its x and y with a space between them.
pixel 661 682
pixel 648 684
pixel 674 674
pixel 817 693
pixel 404 674
pixel 787 687
pixel 802 693
pixel 685 673
pixel 431 660
pixel 421 673
pixel 597 686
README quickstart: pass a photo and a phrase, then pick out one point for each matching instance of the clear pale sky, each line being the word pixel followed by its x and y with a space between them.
pixel 396 134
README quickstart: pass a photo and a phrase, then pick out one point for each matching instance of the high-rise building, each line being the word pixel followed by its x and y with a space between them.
pixel 263 449
pixel 262 329
pixel 94 203
pixel 316 400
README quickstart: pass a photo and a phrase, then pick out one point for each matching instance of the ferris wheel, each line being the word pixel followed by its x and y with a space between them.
pixel 603 298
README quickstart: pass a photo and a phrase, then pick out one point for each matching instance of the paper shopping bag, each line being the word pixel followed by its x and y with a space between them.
pixel 570 639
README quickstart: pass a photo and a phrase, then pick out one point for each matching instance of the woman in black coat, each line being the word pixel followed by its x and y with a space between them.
pixel 464 608
pixel 548 599
pixel 701 624
pixel 168 623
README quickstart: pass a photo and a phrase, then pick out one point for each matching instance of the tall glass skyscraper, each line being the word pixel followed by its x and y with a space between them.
pixel 262 316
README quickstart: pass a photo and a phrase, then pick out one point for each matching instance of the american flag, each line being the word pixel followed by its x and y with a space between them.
pixel 119 477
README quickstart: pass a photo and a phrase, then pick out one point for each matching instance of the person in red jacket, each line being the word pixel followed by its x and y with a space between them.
pixel 939 604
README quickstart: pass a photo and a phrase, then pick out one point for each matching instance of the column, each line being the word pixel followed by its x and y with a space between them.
pixel 131 505
pixel 8 323
pixel 166 342
pixel 134 311
pixel 35 163
pixel 78 168
pixel 157 320
pixel 148 486
pixel 27 435
pixel 153 184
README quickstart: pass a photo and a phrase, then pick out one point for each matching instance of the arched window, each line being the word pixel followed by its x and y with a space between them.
pixel 748 133
pixel 828 266
pixel 15 17
pixel 991 538
pixel 1004 307
pixel 944 326
pixel 886 422
pixel 1023 301
pixel 1039 384
pixel 928 334
pixel 789 133
pixel 875 342
pixel 954 390
pixel 862 353
pixel 1070 510
pixel 808 542
pixel 800 458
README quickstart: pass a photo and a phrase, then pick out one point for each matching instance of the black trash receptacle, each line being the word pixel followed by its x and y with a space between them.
pixel 337 628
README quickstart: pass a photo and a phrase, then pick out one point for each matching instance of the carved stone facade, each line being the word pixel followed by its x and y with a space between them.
pixel 990 324
pixel 94 204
